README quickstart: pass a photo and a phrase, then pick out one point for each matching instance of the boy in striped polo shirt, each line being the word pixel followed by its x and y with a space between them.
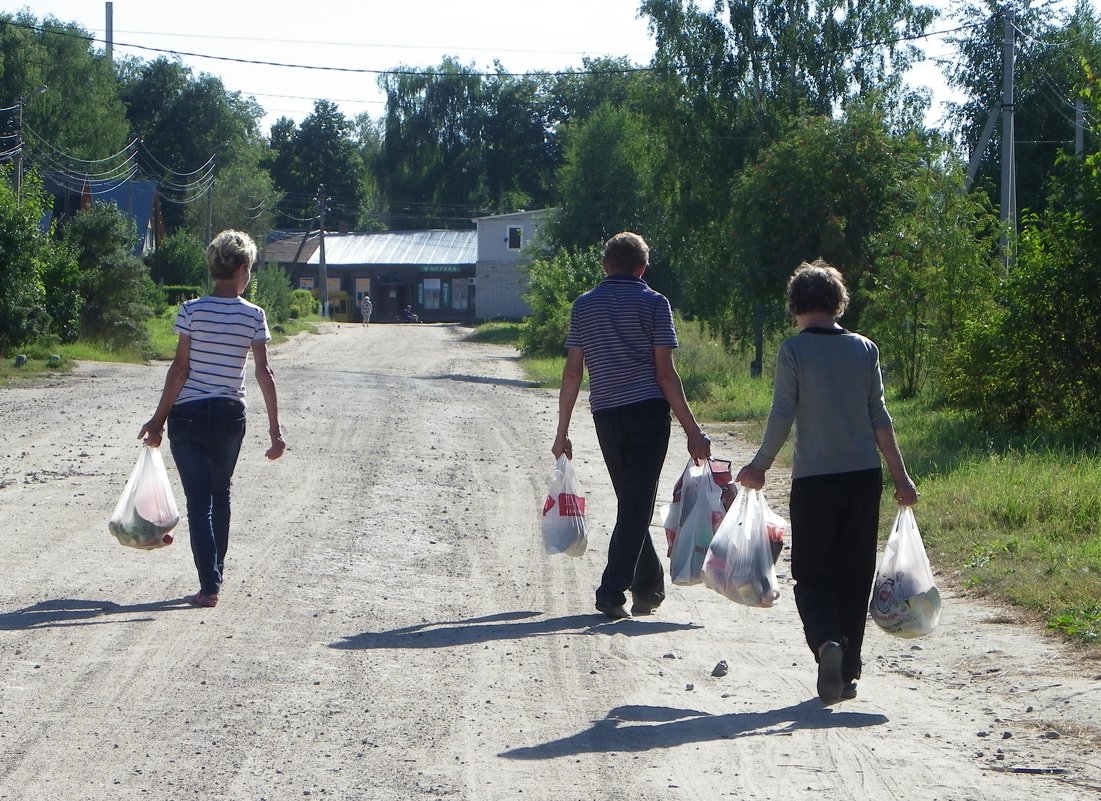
pixel 622 332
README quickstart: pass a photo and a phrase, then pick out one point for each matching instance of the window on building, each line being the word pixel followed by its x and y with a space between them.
pixel 515 237
pixel 305 282
pixel 459 293
pixel 431 293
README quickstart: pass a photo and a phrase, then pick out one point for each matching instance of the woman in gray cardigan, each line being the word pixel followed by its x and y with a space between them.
pixel 829 386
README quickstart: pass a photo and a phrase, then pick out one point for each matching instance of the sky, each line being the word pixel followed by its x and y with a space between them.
pixel 355 39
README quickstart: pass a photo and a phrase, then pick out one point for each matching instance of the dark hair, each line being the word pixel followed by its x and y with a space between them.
pixel 817 287
pixel 626 252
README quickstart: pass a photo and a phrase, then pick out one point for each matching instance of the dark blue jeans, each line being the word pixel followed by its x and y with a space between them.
pixel 205 437
pixel 634 440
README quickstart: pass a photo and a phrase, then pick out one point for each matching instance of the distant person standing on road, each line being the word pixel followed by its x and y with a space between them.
pixel 622 332
pixel 365 308
pixel 204 402
pixel 829 386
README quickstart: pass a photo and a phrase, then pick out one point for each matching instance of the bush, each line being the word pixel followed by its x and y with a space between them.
pixel 553 284
pixel 303 304
pixel 175 294
pixel 273 292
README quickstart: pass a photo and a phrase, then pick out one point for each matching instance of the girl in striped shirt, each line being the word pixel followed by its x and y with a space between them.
pixel 204 402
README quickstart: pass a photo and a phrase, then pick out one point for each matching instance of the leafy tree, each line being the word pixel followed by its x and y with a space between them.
pixel 321 151
pixel 822 191
pixel 606 183
pixel 80 114
pixel 553 284
pixel 114 282
pixel 431 166
pixel 179 260
pixel 191 128
pixel 23 258
pixel 934 270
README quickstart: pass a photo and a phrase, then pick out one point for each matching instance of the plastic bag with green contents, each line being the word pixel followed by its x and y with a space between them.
pixel 146 514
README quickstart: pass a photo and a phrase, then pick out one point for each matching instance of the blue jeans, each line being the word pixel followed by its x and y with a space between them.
pixel 206 436
pixel 633 440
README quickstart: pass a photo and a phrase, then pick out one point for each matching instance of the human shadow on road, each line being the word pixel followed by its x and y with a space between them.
pixel 503 626
pixel 644 728
pixel 73 612
pixel 484 379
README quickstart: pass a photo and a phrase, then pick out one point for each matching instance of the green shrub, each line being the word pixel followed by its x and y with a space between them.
pixel 553 285
pixel 303 304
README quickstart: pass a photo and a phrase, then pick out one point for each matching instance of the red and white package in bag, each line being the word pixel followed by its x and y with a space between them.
pixel 564 512
pixel 146 514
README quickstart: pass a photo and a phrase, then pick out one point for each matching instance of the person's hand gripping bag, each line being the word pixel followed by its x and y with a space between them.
pixel 701 511
pixel 905 601
pixel 146 514
pixel 564 512
pixel 740 562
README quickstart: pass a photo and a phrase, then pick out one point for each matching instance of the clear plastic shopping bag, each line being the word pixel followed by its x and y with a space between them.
pixel 700 512
pixel 905 601
pixel 146 514
pixel 564 512
pixel 740 563
pixel 672 513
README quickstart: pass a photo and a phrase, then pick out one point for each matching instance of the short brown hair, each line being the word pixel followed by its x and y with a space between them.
pixel 626 252
pixel 817 286
pixel 228 251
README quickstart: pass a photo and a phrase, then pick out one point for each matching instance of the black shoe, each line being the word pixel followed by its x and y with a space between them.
pixel 616 612
pixel 642 604
pixel 830 683
pixel 848 693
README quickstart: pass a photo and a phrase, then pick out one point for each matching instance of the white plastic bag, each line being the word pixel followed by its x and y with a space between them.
pixel 740 564
pixel 905 601
pixel 701 510
pixel 146 512
pixel 564 512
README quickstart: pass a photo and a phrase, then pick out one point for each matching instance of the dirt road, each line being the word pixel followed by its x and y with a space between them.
pixel 392 630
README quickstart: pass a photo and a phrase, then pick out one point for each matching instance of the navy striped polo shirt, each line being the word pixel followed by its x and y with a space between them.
pixel 617 325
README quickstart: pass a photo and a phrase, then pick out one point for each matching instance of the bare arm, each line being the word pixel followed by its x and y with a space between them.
pixel 153 430
pixel 572 373
pixel 905 491
pixel 265 377
pixel 699 445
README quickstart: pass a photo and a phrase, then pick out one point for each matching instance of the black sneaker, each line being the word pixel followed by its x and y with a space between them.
pixel 830 683
pixel 848 692
pixel 616 612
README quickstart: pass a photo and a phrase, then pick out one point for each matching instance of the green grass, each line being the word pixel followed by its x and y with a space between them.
pixel 1014 518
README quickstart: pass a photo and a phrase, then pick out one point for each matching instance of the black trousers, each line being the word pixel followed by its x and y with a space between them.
pixel 634 440
pixel 834 532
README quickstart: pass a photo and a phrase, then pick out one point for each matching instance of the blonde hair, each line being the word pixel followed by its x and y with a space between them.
pixel 227 252
pixel 626 252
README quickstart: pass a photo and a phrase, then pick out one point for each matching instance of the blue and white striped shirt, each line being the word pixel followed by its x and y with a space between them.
pixel 222 331
pixel 617 325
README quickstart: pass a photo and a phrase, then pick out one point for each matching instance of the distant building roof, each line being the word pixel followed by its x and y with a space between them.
pixel 283 246
pixel 134 198
pixel 423 248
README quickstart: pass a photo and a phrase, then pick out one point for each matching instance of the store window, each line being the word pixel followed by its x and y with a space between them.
pixel 431 293
pixel 515 237
pixel 458 293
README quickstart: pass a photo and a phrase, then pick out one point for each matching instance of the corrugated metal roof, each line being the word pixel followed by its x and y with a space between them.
pixel 399 248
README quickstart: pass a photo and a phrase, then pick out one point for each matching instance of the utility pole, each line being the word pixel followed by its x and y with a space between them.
pixel 1009 173
pixel 109 50
pixel 324 276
